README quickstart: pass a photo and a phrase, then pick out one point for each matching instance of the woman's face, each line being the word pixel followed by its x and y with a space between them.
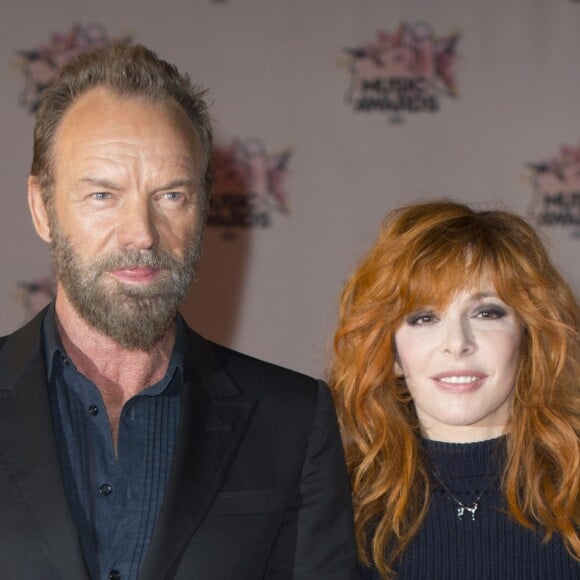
pixel 459 365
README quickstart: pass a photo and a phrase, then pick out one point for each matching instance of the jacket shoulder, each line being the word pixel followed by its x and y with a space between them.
pixel 31 328
pixel 256 377
pixel 18 349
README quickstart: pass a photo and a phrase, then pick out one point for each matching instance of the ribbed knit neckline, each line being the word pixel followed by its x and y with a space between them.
pixel 466 460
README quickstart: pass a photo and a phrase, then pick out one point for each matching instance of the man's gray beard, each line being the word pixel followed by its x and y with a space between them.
pixel 136 317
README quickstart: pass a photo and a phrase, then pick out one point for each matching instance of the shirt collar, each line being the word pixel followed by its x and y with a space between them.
pixel 52 345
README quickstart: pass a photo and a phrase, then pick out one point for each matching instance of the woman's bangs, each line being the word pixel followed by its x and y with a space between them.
pixel 437 277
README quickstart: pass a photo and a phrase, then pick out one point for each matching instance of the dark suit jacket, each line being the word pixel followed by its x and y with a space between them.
pixel 258 487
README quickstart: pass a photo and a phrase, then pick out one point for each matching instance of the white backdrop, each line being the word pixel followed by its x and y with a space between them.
pixel 298 161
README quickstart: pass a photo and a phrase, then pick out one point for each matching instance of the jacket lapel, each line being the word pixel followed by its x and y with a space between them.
pixel 213 419
pixel 28 451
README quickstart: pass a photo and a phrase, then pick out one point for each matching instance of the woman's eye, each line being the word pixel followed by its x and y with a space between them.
pixel 421 318
pixel 491 312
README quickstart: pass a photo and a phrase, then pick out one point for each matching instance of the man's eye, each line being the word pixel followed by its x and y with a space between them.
pixel 101 195
pixel 173 195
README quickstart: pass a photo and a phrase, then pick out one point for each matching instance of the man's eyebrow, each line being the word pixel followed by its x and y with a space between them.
pixel 183 182
pixel 107 184
pixel 100 182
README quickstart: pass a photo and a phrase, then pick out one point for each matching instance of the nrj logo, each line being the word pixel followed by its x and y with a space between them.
pixel 556 190
pixel 40 65
pixel 406 71
pixel 248 185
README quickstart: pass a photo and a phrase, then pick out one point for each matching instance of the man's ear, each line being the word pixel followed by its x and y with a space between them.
pixel 38 209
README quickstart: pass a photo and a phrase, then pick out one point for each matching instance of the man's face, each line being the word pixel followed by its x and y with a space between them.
pixel 124 217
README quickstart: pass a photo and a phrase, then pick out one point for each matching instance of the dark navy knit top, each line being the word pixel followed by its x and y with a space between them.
pixel 490 547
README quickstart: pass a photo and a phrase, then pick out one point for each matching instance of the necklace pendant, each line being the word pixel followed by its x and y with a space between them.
pixel 471 509
pixel 461 507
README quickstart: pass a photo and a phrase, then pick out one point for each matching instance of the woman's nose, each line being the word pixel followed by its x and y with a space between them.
pixel 459 339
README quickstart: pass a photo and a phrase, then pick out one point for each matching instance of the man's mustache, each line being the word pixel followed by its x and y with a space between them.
pixel 155 258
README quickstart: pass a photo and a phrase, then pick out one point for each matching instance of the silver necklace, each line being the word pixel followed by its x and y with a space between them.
pixel 462 508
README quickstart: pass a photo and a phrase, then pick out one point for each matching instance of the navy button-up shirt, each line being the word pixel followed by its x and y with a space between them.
pixel 114 499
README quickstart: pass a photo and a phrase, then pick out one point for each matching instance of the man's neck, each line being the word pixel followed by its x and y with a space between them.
pixel 118 372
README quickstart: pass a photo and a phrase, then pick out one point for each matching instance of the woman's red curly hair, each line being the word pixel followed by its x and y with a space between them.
pixel 424 254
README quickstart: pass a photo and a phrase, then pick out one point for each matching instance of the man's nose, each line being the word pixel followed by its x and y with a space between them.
pixel 136 227
pixel 459 339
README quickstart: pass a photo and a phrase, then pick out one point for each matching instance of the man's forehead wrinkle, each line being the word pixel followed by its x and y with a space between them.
pixel 98 181
pixel 123 150
pixel 92 148
pixel 155 163
pixel 157 180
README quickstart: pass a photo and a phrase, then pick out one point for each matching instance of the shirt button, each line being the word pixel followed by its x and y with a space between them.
pixel 114 575
pixel 106 489
pixel 93 410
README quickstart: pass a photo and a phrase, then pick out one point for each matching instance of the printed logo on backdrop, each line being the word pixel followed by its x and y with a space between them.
pixel 249 186
pixel 408 71
pixel 39 65
pixel 556 190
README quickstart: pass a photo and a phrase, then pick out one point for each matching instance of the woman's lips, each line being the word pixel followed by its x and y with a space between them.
pixel 462 381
